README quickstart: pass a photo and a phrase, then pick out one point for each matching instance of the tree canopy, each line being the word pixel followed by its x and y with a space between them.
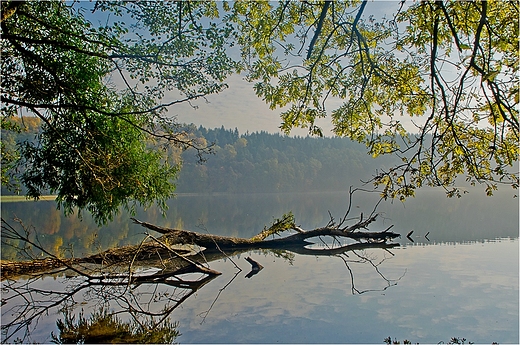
pixel 101 93
pixel 102 88
pixel 450 65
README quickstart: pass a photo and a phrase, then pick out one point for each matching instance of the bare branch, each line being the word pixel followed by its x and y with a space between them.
pixel 318 28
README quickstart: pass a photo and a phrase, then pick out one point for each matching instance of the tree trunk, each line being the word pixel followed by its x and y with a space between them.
pixel 160 249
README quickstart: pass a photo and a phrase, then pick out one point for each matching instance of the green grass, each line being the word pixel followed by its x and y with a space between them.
pixel 18 198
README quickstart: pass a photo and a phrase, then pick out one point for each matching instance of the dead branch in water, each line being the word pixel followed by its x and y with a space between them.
pixel 153 250
pixel 286 223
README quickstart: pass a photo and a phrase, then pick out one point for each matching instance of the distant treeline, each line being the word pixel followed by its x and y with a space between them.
pixel 266 162
pixel 259 162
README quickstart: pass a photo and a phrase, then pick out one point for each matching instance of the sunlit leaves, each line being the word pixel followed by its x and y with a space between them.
pixel 100 89
pixel 453 63
pixel 176 50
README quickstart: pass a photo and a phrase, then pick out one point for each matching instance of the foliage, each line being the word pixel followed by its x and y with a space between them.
pixel 100 93
pixel 9 154
pixel 105 328
pixel 102 89
pixel 286 222
pixel 450 65
pixel 263 162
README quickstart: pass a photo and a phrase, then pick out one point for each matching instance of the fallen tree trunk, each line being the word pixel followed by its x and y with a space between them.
pixel 15 268
pixel 208 241
pixel 214 247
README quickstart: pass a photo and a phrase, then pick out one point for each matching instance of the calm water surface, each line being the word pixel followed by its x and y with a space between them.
pixel 462 282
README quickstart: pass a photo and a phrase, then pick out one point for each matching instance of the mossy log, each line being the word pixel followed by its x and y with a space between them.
pixel 208 241
pixel 212 247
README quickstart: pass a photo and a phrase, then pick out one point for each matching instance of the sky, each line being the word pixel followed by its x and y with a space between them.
pixel 236 107
pixel 239 107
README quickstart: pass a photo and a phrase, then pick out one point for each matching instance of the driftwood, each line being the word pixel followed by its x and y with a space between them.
pixel 208 241
pixel 255 267
pixel 214 247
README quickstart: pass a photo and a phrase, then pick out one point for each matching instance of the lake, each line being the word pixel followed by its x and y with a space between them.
pixel 458 278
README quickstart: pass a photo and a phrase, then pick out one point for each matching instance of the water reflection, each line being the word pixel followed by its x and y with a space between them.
pixel 103 327
pixel 28 303
pixel 436 292
pixel 471 218
pixel 148 296
pixel 311 301
pixel 462 283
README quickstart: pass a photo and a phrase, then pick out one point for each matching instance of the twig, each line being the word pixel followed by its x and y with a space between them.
pixel 197 265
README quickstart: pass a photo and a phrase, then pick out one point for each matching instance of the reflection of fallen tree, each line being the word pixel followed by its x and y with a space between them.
pixel 125 285
pixel 24 305
pixel 147 296
pixel 122 275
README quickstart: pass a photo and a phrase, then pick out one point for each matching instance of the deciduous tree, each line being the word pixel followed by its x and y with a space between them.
pixel 451 66
pixel 101 91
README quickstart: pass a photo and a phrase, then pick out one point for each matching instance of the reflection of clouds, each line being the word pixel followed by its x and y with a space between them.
pixel 313 290
pixel 493 266
pixel 279 290
pixel 458 289
pixel 447 291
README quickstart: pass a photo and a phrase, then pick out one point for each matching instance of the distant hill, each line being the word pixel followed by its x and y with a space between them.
pixel 266 162
pixel 257 162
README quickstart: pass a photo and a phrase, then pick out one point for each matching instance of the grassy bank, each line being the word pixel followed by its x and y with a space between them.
pixel 18 198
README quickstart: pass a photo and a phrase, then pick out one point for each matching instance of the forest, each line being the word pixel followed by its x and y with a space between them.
pixel 256 162
pixel 265 162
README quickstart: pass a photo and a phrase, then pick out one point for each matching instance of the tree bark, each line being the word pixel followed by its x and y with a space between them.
pixel 208 241
pixel 215 247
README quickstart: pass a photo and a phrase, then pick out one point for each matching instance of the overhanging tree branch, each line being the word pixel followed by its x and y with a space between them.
pixel 323 14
